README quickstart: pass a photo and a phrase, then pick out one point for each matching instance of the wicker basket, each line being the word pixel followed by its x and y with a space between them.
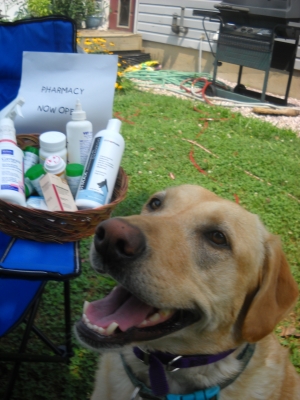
pixel 60 226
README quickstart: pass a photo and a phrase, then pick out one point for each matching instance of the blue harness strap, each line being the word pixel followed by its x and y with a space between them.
pixel 205 394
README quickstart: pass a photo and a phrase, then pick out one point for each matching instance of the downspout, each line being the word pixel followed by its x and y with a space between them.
pixel 136 13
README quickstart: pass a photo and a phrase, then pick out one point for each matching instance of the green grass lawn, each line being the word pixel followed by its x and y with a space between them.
pixel 240 158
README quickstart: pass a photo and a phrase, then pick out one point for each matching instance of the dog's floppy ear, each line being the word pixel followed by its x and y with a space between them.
pixel 275 297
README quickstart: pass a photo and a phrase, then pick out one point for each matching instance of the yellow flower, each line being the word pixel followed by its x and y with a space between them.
pixel 110 52
pixel 119 65
pixel 111 44
pixel 87 41
pixel 116 85
pixel 102 40
pixel 120 73
pixel 87 50
pixel 78 40
pixel 120 87
pixel 95 40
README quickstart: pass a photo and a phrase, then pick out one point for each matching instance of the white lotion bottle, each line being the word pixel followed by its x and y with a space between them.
pixel 101 169
pixel 79 136
pixel 12 189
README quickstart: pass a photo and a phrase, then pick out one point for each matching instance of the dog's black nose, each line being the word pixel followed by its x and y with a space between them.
pixel 116 239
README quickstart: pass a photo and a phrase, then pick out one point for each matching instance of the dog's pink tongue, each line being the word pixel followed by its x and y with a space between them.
pixel 119 306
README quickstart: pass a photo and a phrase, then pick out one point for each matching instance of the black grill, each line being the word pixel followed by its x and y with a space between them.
pixel 283 10
pixel 239 42
pixel 249 36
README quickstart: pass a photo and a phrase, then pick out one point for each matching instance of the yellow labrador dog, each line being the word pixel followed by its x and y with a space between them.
pixel 201 286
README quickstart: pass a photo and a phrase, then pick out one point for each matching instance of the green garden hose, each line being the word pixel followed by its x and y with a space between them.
pixel 158 79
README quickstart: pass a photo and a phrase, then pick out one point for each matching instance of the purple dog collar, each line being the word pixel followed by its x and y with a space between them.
pixel 157 359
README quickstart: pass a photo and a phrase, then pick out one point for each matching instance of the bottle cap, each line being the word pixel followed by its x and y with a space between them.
pixel 114 124
pixel 12 109
pixel 7 130
pixel 78 114
pixel 53 141
pixel 74 169
pixel 32 149
pixel 54 164
pixel 35 172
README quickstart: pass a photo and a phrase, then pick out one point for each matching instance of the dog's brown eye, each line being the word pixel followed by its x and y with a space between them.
pixel 154 203
pixel 218 238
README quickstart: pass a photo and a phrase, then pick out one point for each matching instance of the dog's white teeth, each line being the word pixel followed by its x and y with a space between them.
pixel 108 331
pixel 155 317
pixel 85 318
pixel 143 323
pixel 93 327
pixel 85 306
pixel 165 313
pixel 111 328
pixel 99 329
pixel 89 325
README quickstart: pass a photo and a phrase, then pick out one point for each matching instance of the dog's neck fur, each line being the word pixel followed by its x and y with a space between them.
pixel 182 381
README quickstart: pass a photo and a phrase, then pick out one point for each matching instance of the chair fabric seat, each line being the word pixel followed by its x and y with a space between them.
pixel 37 259
pixel 25 267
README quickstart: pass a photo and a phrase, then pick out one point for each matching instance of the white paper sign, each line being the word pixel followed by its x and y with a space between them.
pixel 52 82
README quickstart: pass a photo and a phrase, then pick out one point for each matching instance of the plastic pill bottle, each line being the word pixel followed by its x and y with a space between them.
pixel 31 157
pixel 35 173
pixel 53 143
pixel 55 165
pixel 73 175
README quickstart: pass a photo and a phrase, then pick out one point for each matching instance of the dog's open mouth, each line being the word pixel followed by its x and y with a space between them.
pixel 122 318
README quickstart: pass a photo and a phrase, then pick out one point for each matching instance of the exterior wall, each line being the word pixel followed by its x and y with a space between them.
pixel 184 51
pixel 154 20
pixel 105 20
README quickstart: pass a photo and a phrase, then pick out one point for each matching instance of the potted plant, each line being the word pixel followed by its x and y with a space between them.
pixel 94 14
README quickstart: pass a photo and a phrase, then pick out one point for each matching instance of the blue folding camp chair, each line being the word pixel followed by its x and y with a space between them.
pixel 25 268
pixel 25 265
pixel 53 34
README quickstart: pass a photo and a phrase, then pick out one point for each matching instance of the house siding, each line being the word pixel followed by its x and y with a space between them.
pixel 154 20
